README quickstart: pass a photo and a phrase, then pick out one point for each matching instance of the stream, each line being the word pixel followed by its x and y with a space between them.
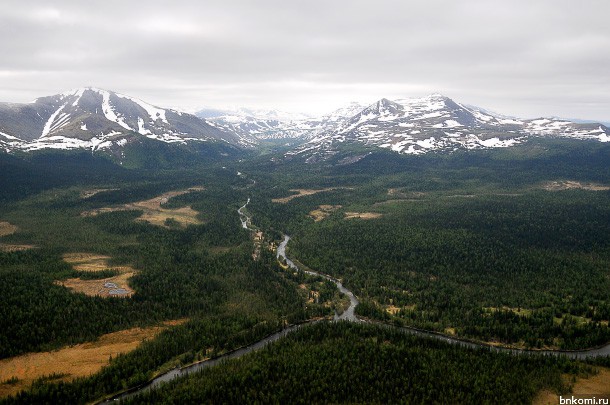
pixel 243 218
pixel 348 314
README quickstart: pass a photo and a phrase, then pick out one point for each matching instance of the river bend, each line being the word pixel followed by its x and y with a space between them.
pixel 349 316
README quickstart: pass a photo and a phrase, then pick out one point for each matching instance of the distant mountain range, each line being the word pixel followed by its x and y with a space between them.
pixel 410 126
pixel 256 125
pixel 95 119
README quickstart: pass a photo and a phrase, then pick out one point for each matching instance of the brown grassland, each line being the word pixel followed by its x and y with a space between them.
pixel 598 384
pixel 73 361
pixel 87 261
pixel 102 287
pixel 362 215
pixel 302 192
pixel 153 211
pixel 92 263
pixel 402 193
pixel 323 211
pixel 392 309
pixel 6 228
pixel 5 247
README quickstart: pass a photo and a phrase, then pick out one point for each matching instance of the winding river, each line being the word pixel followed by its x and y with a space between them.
pixel 181 372
pixel 243 218
pixel 349 316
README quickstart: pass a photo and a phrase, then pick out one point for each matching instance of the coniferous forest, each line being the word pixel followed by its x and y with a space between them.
pixel 328 363
pixel 477 245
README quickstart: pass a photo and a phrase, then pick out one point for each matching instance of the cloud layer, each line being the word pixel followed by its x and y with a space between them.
pixel 524 58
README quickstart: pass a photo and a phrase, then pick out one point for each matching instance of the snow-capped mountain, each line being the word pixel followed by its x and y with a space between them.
pixel 249 127
pixel 241 112
pixel 436 122
pixel 256 125
pixel 98 119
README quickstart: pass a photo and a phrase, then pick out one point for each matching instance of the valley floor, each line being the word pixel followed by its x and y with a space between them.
pixel 481 246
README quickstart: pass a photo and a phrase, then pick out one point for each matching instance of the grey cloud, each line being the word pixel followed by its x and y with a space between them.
pixel 545 58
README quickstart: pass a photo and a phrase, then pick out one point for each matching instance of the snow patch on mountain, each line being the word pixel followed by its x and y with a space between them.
pixel 7 136
pixel 100 141
pixel 78 93
pixel 109 112
pixel 49 124
pixel 497 143
pixel 480 116
pixel 155 113
pixel 141 128
pixel 452 124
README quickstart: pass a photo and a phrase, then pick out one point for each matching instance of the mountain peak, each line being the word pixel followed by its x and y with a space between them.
pixel 436 122
pixel 383 107
pixel 80 90
pixel 89 117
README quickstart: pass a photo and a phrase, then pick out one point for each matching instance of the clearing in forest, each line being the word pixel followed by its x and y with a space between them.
pixel 74 361
pixel 572 185
pixel 597 385
pixel 5 247
pixel 302 192
pixel 90 193
pixel 516 311
pixel 87 261
pixel 115 286
pixel 392 309
pixel 6 228
pixel 403 193
pixel 153 211
pixel 363 215
pixel 323 211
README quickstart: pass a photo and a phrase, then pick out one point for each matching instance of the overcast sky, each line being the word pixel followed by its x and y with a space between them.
pixel 524 58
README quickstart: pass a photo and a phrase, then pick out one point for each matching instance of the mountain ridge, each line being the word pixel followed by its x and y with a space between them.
pixel 97 119
pixel 93 118
pixel 438 123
